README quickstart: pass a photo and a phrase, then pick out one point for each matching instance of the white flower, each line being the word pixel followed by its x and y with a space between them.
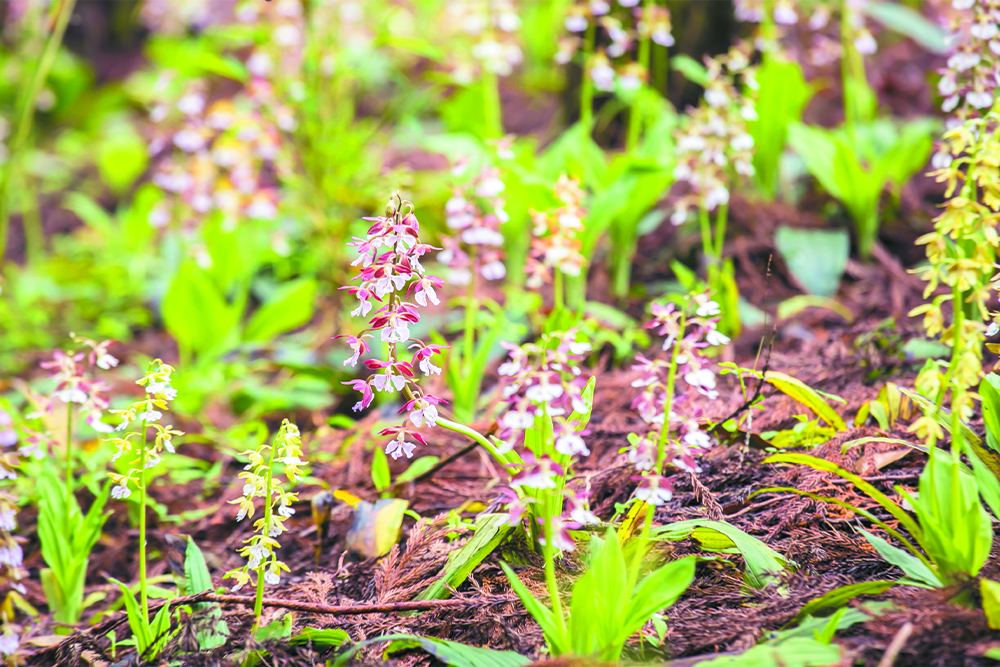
pixel 962 5
pixel 708 309
pixel 571 444
pixel 742 142
pixel 191 104
pixel 704 381
pixel 599 7
pixel 785 14
pixel 363 308
pixel 272 577
pixel 189 141
pixel 696 438
pixel 397 448
pixel 576 23
pixel 518 420
pixel 494 270
pixel 256 555
pixel 993 329
pixel 653 494
pixel 427 414
pixel 11 554
pixel 429 369
pixel 716 197
pixel 106 361
pixel 121 491
pixel 865 43
pixel 715 337
pixel 285 510
pixel 259 64
pixel 716 97
pixel 150 415
pixel 603 77
pixel 983 29
pixel 8 519
pixel 941 160
pixel 662 37
pixel 979 99
pixel 9 644
pixel 543 392
pixel 73 395
pixel 490 188
pixel 628 3
pixel 629 82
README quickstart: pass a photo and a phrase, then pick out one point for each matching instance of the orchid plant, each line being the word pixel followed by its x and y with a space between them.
pixel 259 549
pixel 146 412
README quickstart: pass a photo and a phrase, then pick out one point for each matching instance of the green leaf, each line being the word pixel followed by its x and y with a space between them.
pixel 453 654
pixel 199 579
pixel 92 213
pixel 553 631
pixel 376 527
pixel 122 156
pixel 816 258
pixel 692 70
pixel 838 597
pixel 794 305
pixel 910 565
pixel 321 638
pixel 138 623
pixel 491 530
pixel 907 21
pixel 380 470
pixel 794 652
pixel 289 307
pixel 990 592
pixel 656 592
pixel 417 468
pixel 807 396
pixel 781 97
pixel 822 464
pixel 989 391
pixel 276 629
pixel 764 564
pixel 194 312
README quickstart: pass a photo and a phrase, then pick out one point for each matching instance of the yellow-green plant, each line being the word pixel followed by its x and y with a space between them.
pixel 259 479
pixel 146 412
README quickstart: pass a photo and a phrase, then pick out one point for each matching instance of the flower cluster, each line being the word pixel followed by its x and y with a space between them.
pixel 476 216
pixel 11 566
pixel 259 483
pixel 624 25
pixel 555 243
pixel 673 437
pixel 492 26
pixel 147 412
pixel 962 249
pixel 542 384
pixel 968 83
pixel 74 385
pixel 391 274
pixel 714 143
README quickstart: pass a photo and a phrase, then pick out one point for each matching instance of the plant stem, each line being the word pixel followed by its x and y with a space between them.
pixel 957 389
pixel 471 310
pixel 586 83
pixel 142 521
pixel 69 467
pixel 557 290
pixel 721 219
pixel 475 435
pixel 550 575
pixel 634 120
pixel 26 105
pixel 259 599
pixel 706 233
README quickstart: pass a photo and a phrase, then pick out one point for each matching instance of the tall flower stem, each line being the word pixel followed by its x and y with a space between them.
pixel 471 308
pixel 661 445
pixel 69 465
pixel 721 220
pixel 259 599
pixel 550 574
pixel 586 83
pixel 143 595
pixel 25 114
pixel 705 223
pixel 634 119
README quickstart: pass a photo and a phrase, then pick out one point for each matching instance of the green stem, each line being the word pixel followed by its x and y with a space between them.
pixel 721 219
pixel 26 114
pixel 258 603
pixel 706 233
pixel 634 120
pixel 550 576
pixel 143 595
pixel 957 390
pixel 492 110
pixel 586 83
pixel 69 467
pixel 471 310
pixel 557 290
pixel 455 427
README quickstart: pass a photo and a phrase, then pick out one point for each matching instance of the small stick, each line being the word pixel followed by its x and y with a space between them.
pixel 331 610
pixel 896 645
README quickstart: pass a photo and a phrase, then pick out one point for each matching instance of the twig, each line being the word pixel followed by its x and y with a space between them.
pixel 896 645
pixel 330 610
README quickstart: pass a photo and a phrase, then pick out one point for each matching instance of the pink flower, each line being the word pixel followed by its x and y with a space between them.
pixel 366 393
pixel 357 344
pixel 537 473
pixel 561 538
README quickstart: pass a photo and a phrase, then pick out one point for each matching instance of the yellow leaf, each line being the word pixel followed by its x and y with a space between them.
pixel 807 396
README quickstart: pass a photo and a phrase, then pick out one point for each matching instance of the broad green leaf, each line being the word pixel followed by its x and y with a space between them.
pixel 692 70
pixel 781 97
pixel 453 654
pixel 816 258
pixel 289 308
pixel 322 638
pixel 838 597
pixel 122 156
pixel 194 312
pixel 584 618
pixel 92 213
pixel 794 652
pixel 376 527
pixel 491 530
pixel 655 593
pixel 763 562
pixel 279 628
pixel 990 592
pixel 417 468
pixel 199 579
pixel 989 391
pixel 380 470
pixel 137 622
pixel 792 306
pixel 910 565
pixel 807 396
pixel 907 21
